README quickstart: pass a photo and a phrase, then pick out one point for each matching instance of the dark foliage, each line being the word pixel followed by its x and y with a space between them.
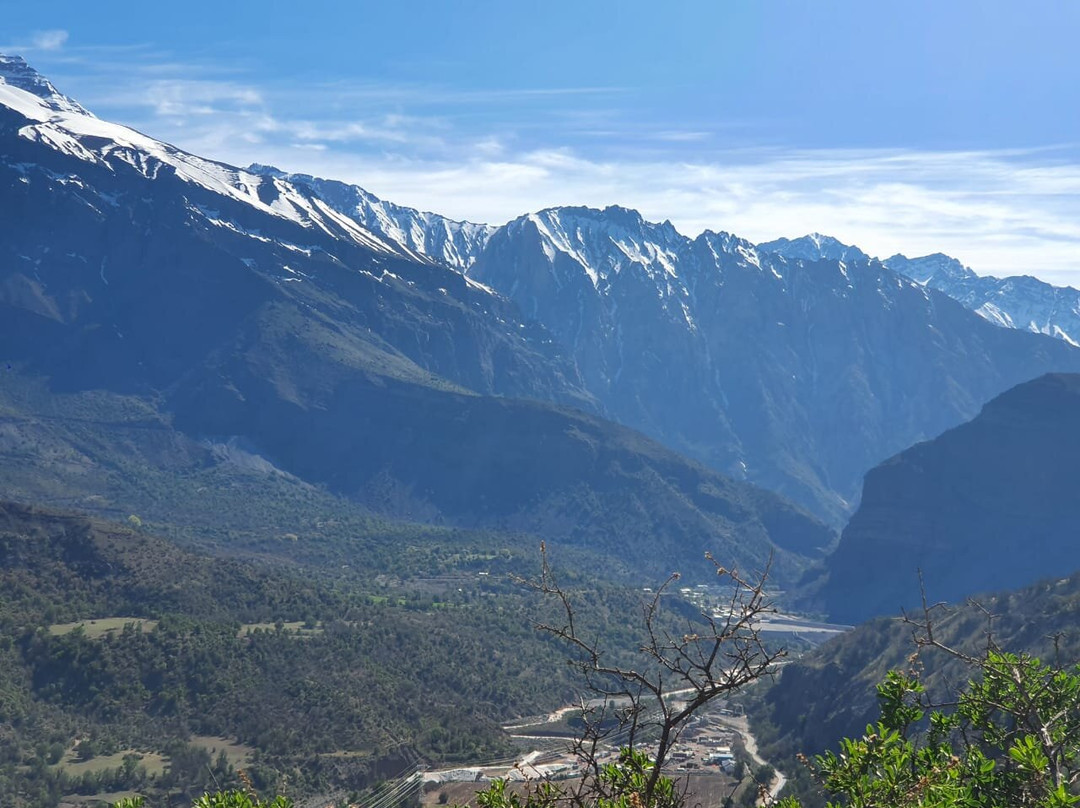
pixel 363 681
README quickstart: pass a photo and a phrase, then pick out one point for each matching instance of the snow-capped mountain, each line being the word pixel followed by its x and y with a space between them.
pixel 1018 301
pixel 558 262
pixel 814 247
pixel 142 263
pixel 15 72
pixel 798 371
pixel 56 121
pixel 104 224
pixel 452 242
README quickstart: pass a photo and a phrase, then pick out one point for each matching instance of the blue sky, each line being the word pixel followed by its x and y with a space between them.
pixel 903 127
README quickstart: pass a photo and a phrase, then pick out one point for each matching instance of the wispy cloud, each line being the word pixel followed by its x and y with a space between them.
pixel 682 137
pixel 49 40
pixel 184 97
pixel 50 43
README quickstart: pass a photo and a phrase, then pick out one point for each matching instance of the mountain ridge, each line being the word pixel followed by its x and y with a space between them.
pixel 814 247
pixel 1016 301
pixel 455 243
pixel 753 362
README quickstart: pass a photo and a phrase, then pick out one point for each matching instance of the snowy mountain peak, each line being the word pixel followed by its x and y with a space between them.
pixel 66 128
pixel 738 249
pixel 723 241
pixel 936 266
pixel 604 242
pixel 15 72
pixel 612 220
pixel 267 171
pixel 814 247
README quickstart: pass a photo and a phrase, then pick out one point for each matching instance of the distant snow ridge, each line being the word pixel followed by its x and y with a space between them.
pixel 814 247
pixel 429 234
pixel 580 270
pixel 54 120
pixel 1020 301
pixel 573 265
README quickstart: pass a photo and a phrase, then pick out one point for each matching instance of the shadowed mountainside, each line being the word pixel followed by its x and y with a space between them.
pixel 990 504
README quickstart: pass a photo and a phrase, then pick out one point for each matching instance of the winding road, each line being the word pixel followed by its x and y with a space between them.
pixel 741 725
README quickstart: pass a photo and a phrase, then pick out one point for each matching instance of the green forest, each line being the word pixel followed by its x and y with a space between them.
pixel 123 658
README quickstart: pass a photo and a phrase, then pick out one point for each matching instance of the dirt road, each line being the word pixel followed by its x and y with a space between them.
pixel 742 726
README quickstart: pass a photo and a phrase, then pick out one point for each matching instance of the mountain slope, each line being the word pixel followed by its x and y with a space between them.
pixel 510 465
pixel 990 504
pixel 798 375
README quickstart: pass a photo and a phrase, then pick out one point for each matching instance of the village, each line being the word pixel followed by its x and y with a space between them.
pixel 712 752
pixel 708 742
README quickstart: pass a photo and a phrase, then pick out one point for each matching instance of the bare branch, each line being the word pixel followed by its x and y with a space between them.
pixel 679 674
